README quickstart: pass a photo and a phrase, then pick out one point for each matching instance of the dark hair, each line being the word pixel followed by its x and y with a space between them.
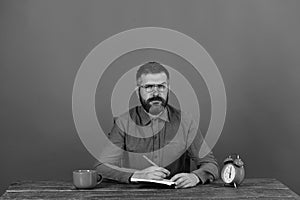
pixel 151 68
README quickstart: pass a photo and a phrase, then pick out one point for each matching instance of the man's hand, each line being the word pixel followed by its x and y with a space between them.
pixel 185 180
pixel 152 172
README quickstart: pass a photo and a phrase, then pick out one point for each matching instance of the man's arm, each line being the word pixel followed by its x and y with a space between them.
pixel 111 161
pixel 110 164
pixel 207 167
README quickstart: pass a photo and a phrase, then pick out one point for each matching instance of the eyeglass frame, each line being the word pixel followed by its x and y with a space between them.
pixel 165 85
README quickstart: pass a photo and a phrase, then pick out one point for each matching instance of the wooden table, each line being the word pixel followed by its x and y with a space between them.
pixel 250 189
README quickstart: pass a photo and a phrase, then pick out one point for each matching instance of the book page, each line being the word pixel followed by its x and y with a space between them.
pixel 163 181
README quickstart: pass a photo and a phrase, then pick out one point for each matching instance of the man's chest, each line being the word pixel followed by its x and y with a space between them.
pixel 143 139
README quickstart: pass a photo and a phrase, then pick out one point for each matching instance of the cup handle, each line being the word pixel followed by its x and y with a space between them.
pixel 99 179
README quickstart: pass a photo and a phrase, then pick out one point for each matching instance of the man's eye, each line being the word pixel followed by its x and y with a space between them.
pixel 149 86
pixel 161 87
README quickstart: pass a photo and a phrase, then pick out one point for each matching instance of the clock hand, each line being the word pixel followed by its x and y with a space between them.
pixel 230 172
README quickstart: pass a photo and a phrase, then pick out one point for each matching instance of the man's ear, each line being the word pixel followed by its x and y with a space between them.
pixel 137 90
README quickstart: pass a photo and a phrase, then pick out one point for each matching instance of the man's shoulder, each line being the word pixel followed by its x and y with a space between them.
pixel 127 115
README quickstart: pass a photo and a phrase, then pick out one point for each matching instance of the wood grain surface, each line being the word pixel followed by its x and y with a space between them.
pixel 261 188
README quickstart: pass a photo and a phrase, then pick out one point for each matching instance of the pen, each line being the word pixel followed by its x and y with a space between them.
pixel 150 161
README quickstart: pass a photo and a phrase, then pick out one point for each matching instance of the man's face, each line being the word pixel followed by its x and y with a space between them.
pixel 153 92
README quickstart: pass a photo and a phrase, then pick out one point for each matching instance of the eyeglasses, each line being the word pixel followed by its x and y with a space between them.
pixel 150 87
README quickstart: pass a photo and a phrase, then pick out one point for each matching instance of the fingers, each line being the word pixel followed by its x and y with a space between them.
pixel 153 172
pixel 183 184
pixel 184 180
pixel 158 169
pixel 156 175
pixel 165 171
pixel 179 179
pixel 177 176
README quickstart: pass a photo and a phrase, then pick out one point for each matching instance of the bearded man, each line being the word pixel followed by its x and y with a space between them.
pixel 167 136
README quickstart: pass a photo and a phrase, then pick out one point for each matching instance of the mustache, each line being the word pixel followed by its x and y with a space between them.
pixel 156 98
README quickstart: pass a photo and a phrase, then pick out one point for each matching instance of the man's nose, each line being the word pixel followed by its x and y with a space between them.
pixel 155 91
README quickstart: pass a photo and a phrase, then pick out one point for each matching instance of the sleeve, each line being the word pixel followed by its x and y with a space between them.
pixel 207 166
pixel 110 162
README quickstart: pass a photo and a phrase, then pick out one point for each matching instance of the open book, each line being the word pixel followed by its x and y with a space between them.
pixel 163 181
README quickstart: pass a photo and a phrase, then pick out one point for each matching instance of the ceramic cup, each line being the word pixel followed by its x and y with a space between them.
pixel 86 179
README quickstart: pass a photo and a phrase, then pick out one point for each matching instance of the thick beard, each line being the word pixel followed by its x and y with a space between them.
pixel 154 109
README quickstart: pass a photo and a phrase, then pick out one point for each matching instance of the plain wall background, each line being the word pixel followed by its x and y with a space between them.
pixel 255 45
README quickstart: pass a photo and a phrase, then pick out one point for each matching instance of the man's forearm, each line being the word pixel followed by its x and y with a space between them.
pixel 207 172
pixel 115 173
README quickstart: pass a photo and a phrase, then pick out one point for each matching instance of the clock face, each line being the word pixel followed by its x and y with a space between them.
pixel 228 173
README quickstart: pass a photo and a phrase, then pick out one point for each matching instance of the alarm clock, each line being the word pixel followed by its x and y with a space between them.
pixel 233 171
